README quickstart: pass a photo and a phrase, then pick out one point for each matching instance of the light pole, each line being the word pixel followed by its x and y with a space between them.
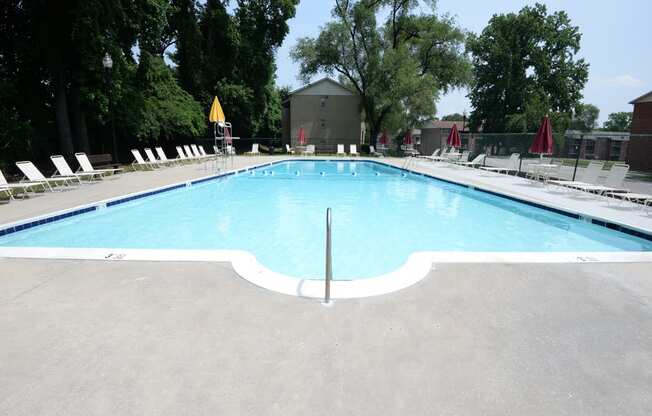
pixel 107 63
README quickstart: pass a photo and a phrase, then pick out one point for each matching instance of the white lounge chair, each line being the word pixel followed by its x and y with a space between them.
pixel 476 162
pixel 511 166
pixel 86 166
pixel 164 158
pixel 140 162
pixel 353 150
pixel 63 169
pixel 612 184
pixel 181 156
pixel 289 150
pixel 216 150
pixel 340 150
pixel 373 152
pixel 434 155
pixel 34 175
pixel 230 150
pixel 196 153
pixel 203 152
pixel 254 150
pixel 152 159
pixel 588 175
pixel 310 150
pixel 189 153
pixel 20 188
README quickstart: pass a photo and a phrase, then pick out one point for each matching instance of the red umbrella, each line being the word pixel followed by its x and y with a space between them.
pixel 543 143
pixel 408 138
pixel 384 139
pixel 302 137
pixel 454 139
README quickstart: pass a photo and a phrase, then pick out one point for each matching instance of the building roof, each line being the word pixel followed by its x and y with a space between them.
pixel 324 86
pixel 441 124
pixel 645 98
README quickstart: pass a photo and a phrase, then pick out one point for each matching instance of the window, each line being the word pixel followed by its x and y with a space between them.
pixel 589 147
pixel 322 102
pixel 322 123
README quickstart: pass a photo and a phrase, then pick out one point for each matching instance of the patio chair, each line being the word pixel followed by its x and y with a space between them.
pixel 152 159
pixel 289 150
pixel 196 153
pixel 353 150
pixel 340 150
pixel 216 150
pixel 434 155
pixel 181 156
pixel 63 169
pixel 140 162
pixel 373 152
pixel 476 162
pixel 86 166
pixel 20 187
pixel 254 150
pixel 34 175
pixel 511 166
pixel 164 158
pixel 612 184
pixel 588 176
pixel 310 150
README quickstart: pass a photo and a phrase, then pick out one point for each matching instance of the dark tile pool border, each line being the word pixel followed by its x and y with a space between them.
pixel 122 200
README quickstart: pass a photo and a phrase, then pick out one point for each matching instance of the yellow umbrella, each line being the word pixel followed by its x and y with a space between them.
pixel 216 115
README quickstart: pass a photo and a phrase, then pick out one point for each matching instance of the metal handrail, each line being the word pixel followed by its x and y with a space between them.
pixel 329 259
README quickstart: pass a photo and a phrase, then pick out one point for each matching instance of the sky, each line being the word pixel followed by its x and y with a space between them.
pixel 616 41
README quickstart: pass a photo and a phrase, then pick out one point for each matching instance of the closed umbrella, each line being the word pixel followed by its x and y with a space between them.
pixel 543 143
pixel 407 140
pixel 302 137
pixel 384 139
pixel 454 139
pixel 216 115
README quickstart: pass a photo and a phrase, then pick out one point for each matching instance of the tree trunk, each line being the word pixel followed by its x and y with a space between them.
pixel 79 119
pixel 61 112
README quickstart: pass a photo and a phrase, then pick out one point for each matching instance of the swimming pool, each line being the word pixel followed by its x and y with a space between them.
pixel 381 215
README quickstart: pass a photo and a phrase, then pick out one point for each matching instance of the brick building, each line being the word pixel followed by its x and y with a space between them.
pixel 599 145
pixel 639 155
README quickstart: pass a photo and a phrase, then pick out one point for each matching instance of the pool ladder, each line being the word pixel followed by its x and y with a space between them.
pixel 329 260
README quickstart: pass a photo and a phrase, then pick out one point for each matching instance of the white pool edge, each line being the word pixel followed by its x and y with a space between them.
pixel 417 267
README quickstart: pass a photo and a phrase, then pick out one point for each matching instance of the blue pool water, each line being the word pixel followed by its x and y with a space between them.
pixel 380 216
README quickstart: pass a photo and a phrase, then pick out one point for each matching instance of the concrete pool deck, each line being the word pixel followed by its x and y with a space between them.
pixel 112 337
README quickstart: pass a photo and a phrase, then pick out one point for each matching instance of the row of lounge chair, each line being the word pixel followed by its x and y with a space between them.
pixel 185 154
pixel 33 179
pixel 588 181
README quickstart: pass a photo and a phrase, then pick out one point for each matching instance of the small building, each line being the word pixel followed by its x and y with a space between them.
pixel 433 135
pixel 329 113
pixel 600 145
pixel 639 154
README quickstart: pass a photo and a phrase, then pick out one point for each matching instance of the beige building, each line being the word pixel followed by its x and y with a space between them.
pixel 329 113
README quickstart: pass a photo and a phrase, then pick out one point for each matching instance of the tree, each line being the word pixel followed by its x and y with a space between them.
pixel 525 65
pixel 399 68
pixel 621 121
pixel 453 117
pixel 585 117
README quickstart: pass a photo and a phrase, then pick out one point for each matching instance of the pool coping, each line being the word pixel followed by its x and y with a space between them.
pixel 417 266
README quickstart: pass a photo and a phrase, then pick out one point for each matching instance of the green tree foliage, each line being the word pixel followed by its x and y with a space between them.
pixel 621 121
pixel 525 67
pixel 585 117
pixel 56 96
pixel 399 67
pixel 453 117
pixel 233 58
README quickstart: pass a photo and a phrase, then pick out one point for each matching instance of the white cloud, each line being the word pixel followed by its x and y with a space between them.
pixel 624 80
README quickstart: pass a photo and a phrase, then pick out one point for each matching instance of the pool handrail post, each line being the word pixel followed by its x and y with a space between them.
pixel 329 259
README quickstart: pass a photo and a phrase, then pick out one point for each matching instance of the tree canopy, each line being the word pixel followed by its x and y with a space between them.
pixel 399 67
pixel 525 66
pixel 453 117
pixel 169 58
pixel 585 117
pixel 621 121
